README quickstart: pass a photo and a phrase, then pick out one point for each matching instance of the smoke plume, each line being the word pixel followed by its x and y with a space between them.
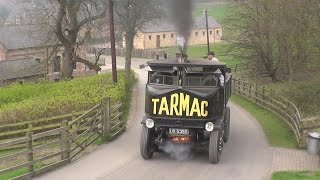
pixel 180 13
pixel 179 152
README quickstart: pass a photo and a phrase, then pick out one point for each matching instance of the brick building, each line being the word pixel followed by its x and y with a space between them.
pixel 163 34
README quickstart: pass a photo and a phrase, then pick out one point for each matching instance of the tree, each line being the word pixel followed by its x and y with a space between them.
pixel 4 12
pixel 131 16
pixel 276 36
pixel 71 23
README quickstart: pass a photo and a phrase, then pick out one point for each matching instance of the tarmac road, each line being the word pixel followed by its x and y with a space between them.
pixel 246 156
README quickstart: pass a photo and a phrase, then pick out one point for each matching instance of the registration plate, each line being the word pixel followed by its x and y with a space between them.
pixel 178 131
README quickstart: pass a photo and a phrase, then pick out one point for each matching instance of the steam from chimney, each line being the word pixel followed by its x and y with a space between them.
pixel 180 13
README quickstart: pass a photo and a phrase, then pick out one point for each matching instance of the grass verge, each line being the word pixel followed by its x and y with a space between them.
pixel 288 175
pixel 198 51
pixel 276 130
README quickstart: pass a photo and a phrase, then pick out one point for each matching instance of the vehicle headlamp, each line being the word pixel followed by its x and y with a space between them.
pixel 149 123
pixel 209 126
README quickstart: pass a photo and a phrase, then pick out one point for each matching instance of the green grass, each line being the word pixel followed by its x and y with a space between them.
pixel 296 176
pixel 19 172
pixel 277 131
pixel 217 12
pixel 198 51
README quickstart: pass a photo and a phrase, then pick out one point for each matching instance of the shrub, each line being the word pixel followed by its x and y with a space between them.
pixel 34 101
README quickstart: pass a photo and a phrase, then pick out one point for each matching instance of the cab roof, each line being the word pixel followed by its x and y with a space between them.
pixel 189 63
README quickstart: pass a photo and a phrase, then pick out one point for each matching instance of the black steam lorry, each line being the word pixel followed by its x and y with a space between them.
pixel 186 103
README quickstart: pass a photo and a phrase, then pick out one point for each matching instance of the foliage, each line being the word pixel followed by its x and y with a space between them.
pixel 305 94
pixel 4 12
pixel 34 101
pixel 277 131
pixel 296 175
pixel 131 16
pixel 278 37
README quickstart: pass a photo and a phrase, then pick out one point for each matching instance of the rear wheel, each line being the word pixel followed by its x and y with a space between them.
pixel 226 125
pixel 145 144
pixel 215 146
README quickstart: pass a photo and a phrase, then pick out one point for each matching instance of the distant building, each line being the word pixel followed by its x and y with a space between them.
pixel 22 70
pixel 28 43
pixel 161 34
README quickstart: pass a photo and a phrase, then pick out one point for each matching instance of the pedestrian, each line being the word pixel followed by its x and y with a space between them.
pixel 212 57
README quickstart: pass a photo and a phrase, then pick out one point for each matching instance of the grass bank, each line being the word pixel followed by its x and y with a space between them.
pixel 276 130
pixel 296 175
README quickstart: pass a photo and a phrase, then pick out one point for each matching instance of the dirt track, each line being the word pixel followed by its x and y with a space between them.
pixel 246 156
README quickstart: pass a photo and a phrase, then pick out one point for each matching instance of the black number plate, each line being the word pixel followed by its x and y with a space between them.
pixel 175 131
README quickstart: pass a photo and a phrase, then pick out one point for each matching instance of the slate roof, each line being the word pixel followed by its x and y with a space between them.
pixel 24 36
pixel 20 68
pixel 167 26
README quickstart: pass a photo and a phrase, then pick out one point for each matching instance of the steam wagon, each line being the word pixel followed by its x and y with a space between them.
pixel 186 103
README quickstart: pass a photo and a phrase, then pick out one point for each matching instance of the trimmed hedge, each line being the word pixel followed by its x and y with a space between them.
pixel 34 101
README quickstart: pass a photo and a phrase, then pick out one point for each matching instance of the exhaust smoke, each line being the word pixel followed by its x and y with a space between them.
pixel 180 13
pixel 179 152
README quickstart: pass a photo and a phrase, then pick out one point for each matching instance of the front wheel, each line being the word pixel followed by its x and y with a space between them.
pixel 145 144
pixel 215 146
pixel 226 125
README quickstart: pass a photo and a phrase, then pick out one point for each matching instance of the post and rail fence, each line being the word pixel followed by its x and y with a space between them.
pixel 278 105
pixel 39 151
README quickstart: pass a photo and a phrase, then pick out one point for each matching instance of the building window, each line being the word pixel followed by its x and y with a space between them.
pixel 149 37
pixel 204 33
pixel 217 32
pixel 57 64
pixel 18 21
pixel 172 35
pixel 196 33
pixel 210 32
pixel 164 36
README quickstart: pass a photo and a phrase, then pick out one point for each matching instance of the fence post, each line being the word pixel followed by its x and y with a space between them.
pixel 106 116
pixel 263 96
pixel 257 93
pixel 65 143
pixel 250 90
pixel 30 150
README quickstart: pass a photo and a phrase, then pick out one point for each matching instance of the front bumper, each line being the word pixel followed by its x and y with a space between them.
pixel 181 123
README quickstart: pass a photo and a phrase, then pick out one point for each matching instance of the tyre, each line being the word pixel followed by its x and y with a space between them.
pixel 145 144
pixel 226 125
pixel 215 146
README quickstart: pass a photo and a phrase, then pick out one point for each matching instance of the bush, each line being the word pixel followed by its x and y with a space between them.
pixel 305 94
pixel 34 101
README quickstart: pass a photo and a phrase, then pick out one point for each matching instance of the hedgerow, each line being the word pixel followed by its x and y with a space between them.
pixel 34 101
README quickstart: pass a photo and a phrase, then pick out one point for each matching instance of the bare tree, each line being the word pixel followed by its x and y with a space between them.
pixel 70 24
pixel 4 12
pixel 276 35
pixel 131 17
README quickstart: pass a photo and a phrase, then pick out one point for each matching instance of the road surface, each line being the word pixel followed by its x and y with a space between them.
pixel 246 156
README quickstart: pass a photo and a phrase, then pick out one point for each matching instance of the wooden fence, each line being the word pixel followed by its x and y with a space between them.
pixel 48 149
pixel 272 102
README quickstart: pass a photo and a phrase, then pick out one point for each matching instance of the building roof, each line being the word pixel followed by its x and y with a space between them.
pixel 21 37
pixel 20 68
pixel 166 26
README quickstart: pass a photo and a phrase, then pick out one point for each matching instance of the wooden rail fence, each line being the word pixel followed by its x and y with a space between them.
pixel 272 102
pixel 69 135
